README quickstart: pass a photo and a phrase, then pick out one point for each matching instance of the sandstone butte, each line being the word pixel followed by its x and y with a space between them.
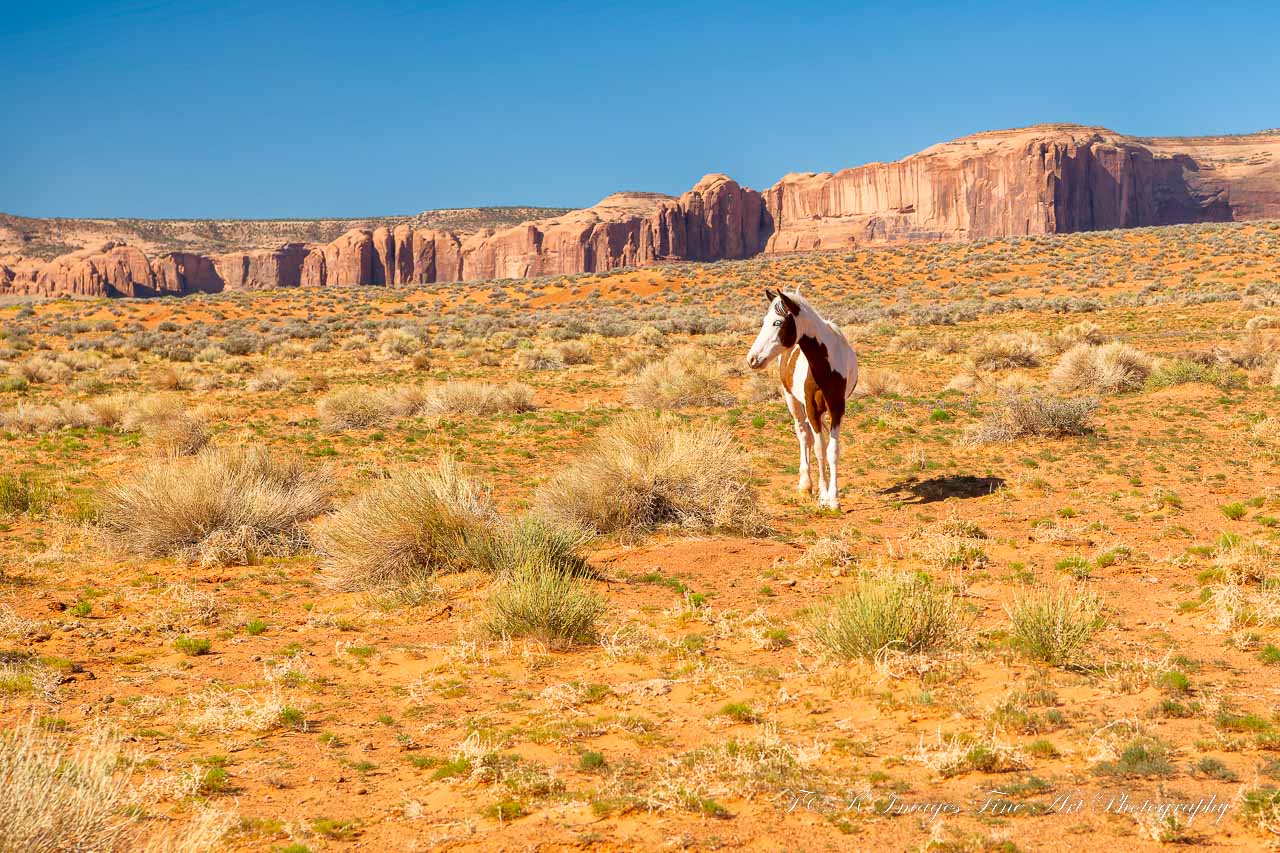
pixel 1046 179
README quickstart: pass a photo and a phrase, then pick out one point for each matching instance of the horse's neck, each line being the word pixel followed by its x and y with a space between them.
pixel 826 351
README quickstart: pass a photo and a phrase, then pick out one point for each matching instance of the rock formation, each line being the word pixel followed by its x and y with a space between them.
pixel 1047 179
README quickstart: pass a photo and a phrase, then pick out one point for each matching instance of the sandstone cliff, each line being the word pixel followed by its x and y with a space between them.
pixel 1040 180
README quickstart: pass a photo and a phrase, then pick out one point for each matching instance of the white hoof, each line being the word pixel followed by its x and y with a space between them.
pixel 805 487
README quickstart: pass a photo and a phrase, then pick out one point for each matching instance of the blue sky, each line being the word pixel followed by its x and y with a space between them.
pixel 277 109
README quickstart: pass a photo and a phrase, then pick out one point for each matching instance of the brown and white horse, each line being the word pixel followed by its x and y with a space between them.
pixel 818 370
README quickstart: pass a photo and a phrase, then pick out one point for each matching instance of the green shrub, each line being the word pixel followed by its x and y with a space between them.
pixel 903 613
pixel 1055 627
pixel 546 603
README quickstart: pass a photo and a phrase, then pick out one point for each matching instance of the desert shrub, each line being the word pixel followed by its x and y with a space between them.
pixel 880 383
pixel 1108 369
pixel 174 378
pixel 1009 350
pixel 170 429
pixel 634 361
pixel 1074 334
pixel 647 472
pixel 574 352
pixel 1034 413
pixel 358 408
pixel 531 540
pixel 413 524
pixel 538 359
pixel 477 398
pixel 543 602
pixel 896 612
pixel 20 493
pixel 762 386
pixel 185 434
pixel 650 337
pixel 272 378
pixel 689 376
pixel 26 418
pixel 221 506
pixel 1055 627
pixel 397 343
pixel 40 369
pixel 1256 348
pixel 54 798
pixel 1183 371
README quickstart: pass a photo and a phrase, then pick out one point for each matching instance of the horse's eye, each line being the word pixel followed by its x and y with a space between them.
pixel 777 322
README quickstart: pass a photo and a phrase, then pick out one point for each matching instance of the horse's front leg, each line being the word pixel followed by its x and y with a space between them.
pixel 804 436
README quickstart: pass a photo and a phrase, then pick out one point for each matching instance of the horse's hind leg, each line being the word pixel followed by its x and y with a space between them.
pixel 804 436
pixel 830 499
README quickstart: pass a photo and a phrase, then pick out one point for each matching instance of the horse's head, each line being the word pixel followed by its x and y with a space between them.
pixel 777 329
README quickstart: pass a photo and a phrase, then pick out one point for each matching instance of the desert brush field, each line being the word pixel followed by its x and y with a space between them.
pixel 522 564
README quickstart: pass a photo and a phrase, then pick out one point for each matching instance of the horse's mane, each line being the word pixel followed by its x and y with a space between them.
pixel 806 305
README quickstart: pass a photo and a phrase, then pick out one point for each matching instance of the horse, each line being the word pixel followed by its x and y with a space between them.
pixel 818 370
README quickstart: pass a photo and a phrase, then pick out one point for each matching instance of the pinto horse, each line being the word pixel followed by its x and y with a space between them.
pixel 818 370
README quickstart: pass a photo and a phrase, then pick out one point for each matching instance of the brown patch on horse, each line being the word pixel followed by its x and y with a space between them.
pixel 787 367
pixel 823 388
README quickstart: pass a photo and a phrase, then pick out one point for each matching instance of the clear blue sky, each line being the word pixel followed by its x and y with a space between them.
pixel 276 109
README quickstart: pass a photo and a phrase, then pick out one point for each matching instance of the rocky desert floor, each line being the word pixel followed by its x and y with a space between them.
pixel 1046 616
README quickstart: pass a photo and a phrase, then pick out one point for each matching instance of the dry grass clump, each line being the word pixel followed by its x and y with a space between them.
pixel 39 369
pixel 1109 369
pixel 1266 430
pixel 546 603
pixel 539 359
pixel 1033 413
pixel 880 383
pixel 413 524
pixel 689 376
pixel 271 378
pixel 574 352
pixel 477 398
pixel 647 472
pixel 26 418
pixel 633 361
pixel 397 343
pixel 908 340
pixel 1275 376
pixel 170 428
pixel 903 613
pixel 15 626
pixel 184 435
pixel 1084 332
pixel 358 408
pixel 1256 349
pixel 55 798
pixel 222 506
pixel 960 754
pixel 1009 350
pixel 762 386
pixel 1055 628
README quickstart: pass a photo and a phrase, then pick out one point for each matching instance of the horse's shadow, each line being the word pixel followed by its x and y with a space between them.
pixel 936 489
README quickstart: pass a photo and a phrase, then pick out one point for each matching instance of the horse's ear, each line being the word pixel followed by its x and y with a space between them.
pixel 768 295
pixel 790 304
